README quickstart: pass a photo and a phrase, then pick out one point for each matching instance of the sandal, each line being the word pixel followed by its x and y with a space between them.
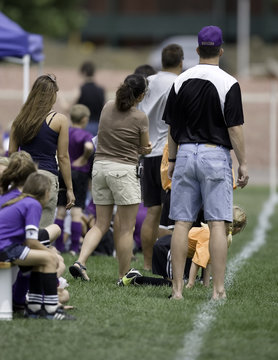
pixel 79 271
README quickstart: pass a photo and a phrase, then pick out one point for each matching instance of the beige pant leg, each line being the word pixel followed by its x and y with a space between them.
pixel 48 213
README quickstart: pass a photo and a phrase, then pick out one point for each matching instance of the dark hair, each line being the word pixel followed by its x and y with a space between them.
pixel 87 68
pixel 171 56
pixel 145 70
pixel 126 95
pixel 35 186
pixel 207 52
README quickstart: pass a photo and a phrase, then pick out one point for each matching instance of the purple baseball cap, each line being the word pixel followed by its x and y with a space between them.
pixel 210 36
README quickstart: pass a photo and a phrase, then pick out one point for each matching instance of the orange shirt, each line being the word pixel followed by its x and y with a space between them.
pixel 198 245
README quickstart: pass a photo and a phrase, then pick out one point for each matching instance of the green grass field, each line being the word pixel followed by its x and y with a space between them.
pixel 141 323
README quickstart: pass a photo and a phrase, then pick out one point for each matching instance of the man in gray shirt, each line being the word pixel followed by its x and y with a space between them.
pixel 153 106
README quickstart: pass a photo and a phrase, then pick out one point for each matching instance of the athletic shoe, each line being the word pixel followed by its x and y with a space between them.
pixel 33 314
pixel 120 282
pixel 129 277
pixel 59 314
pixel 19 308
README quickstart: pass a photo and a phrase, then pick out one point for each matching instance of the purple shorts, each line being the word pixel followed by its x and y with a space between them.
pixel 202 176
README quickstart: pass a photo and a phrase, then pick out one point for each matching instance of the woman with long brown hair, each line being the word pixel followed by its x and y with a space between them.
pixel 42 133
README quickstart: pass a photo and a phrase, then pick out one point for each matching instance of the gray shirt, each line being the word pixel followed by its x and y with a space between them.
pixel 153 106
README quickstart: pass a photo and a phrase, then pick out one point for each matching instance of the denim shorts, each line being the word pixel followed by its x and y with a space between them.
pixel 202 176
pixel 14 252
pixel 115 183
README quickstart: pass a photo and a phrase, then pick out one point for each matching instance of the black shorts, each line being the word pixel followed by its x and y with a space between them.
pixel 165 222
pixel 153 193
pixel 161 252
pixel 161 260
pixel 80 181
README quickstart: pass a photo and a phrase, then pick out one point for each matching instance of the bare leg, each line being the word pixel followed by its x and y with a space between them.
pixel 192 275
pixel 42 260
pixel 95 234
pixel 179 244
pixel 76 214
pixel 163 232
pixel 124 236
pixel 218 255
pixel 54 231
pixel 116 230
pixel 207 275
pixel 149 233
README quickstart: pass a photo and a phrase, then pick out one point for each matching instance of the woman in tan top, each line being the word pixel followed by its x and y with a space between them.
pixel 122 136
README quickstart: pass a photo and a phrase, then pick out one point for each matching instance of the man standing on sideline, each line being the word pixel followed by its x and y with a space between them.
pixel 205 118
pixel 153 106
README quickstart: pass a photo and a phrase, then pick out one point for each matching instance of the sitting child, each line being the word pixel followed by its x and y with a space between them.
pixel 19 221
pixel 18 167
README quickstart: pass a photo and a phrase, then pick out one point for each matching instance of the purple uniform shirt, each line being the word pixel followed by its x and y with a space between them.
pixel 9 196
pixel 77 138
pixel 18 218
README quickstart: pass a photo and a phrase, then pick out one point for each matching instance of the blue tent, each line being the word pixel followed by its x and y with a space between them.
pixel 20 47
pixel 14 41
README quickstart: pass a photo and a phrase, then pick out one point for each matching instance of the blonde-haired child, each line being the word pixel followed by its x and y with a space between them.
pixel 201 255
pixel 198 254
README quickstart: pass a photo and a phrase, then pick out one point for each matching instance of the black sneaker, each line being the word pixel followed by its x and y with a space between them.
pixel 129 277
pixel 59 314
pixel 33 314
pixel 19 308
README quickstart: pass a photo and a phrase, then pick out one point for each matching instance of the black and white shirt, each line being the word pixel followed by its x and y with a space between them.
pixel 203 103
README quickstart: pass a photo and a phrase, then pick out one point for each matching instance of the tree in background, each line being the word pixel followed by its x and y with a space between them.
pixel 54 18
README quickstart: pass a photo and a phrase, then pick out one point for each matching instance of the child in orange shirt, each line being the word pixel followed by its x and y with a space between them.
pixel 198 253
pixel 200 257
pixel 198 241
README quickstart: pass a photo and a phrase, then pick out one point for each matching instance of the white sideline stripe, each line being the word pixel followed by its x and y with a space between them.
pixel 193 340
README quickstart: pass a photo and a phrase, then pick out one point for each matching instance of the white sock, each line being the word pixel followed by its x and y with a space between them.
pixel 34 307
pixel 51 308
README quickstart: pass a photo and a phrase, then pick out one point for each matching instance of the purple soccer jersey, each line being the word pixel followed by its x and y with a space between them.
pixel 8 196
pixel 77 138
pixel 16 219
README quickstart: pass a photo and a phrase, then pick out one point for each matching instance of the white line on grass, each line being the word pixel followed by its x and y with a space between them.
pixel 193 340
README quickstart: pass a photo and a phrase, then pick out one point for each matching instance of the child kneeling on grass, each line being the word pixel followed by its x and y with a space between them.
pixel 19 222
pixel 198 253
pixel 201 256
